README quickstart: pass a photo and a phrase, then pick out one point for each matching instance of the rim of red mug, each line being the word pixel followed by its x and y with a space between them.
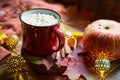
pixel 41 9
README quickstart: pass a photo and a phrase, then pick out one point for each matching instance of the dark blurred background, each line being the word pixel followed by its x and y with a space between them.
pixel 109 9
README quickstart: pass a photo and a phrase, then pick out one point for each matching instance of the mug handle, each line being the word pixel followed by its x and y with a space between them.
pixel 61 39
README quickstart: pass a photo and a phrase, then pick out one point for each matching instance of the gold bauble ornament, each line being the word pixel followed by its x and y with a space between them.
pixel 10 42
pixel 17 69
pixel 15 63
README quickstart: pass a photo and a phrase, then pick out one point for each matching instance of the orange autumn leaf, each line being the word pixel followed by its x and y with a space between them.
pixel 71 42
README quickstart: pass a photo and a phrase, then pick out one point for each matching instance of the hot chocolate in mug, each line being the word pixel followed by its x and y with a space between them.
pixel 41 33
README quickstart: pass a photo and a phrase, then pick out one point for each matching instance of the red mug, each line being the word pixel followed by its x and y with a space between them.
pixel 41 40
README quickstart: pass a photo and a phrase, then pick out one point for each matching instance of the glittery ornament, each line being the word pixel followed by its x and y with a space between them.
pixel 10 42
pixel 102 65
pixel 16 63
pixel 17 69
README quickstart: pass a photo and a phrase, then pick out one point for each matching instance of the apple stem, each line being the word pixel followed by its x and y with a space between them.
pixel 107 27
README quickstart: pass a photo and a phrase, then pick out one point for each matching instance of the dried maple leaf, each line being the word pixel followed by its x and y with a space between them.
pixel 82 78
pixel 56 69
pixel 78 18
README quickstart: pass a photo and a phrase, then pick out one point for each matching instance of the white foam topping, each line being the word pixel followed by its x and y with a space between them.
pixel 38 19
